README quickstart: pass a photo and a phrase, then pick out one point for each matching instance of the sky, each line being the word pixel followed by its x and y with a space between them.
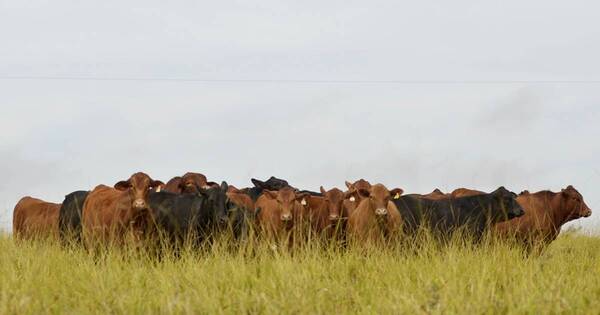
pixel 417 95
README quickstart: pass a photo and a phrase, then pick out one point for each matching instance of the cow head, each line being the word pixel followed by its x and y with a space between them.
pixel 287 200
pixel 361 188
pixel 355 194
pixel 218 202
pixel 573 202
pixel 334 199
pixel 138 186
pixel 273 183
pixel 506 204
pixel 379 198
pixel 192 183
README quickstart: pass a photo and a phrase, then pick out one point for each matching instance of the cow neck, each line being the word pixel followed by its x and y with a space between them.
pixel 566 214
pixel 560 213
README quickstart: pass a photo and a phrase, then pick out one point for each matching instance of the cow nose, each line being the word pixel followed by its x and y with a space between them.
pixel 139 204
pixel 333 217
pixel 286 217
pixel 381 211
pixel 587 213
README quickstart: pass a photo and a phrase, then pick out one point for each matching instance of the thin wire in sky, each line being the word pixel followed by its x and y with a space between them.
pixel 292 81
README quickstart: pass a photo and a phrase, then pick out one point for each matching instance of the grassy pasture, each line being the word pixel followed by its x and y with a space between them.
pixel 42 277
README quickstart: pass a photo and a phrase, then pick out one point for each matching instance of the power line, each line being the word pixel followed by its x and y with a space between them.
pixel 308 81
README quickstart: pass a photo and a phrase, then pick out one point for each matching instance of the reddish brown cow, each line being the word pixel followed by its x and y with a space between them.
pixel 188 183
pixel 277 211
pixel 355 194
pixel 434 195
pixel 35 218
pixel 327 212
pixel 545 213
pixel 376 215
pixel 241 200
pixel 111 213
pixel 465 192
pixel 173 185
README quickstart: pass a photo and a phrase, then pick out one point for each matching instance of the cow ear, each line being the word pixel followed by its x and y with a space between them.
pixel 224 186
pixel 210 185
pixel 257 183
pixel 349 185
pixel 122 185
pixel 303 198
pixel 232 189
pixel 269 194
pixel 322 190
pixel 156 183
pixel 570 187
pixel 396 192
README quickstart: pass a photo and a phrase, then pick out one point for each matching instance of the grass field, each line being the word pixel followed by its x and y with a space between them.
pixel 42 277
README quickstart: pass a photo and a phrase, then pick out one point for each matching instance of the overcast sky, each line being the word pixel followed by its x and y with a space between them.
pixel 478 111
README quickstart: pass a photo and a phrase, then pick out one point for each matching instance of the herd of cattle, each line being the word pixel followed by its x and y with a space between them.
pixel 140 206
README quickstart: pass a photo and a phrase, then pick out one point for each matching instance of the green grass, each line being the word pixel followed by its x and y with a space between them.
pixel 42 277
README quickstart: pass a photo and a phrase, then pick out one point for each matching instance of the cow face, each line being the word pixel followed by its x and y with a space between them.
pixel 218 201
pixel 573 202
pixel 380 196
pixel 287 201
pixel 506 204
pixel 192 183
pixel 138 186
pixel 334 199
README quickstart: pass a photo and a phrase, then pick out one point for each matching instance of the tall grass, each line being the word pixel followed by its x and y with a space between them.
pixel 455 278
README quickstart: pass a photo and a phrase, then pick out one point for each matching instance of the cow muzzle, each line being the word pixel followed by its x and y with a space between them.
pixel 139 204
pixel 587 213
pixel 286 217
pixel 334 217
pixel 381 211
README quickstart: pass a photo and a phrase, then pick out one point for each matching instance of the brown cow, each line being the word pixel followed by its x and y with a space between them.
pixel 355 194
pixel 35 218
pixel 327 213
pixel 545 213
pixel 436 194
pixel 241 200
pixel 188 183
pixel 376 215
pixel 465 192
pixel 173 185
pixel 277 211
pixel 110 213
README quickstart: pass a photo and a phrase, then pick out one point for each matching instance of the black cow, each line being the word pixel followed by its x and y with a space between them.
pixel 474 214
pixel 197 215
pixel 273 183
pixel 69 216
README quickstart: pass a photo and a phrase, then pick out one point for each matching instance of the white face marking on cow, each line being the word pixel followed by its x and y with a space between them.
pixel 397 196
pixel 139 203
pixel 352 199
pixel 158 189
pixel 303 202
pixel 381 211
